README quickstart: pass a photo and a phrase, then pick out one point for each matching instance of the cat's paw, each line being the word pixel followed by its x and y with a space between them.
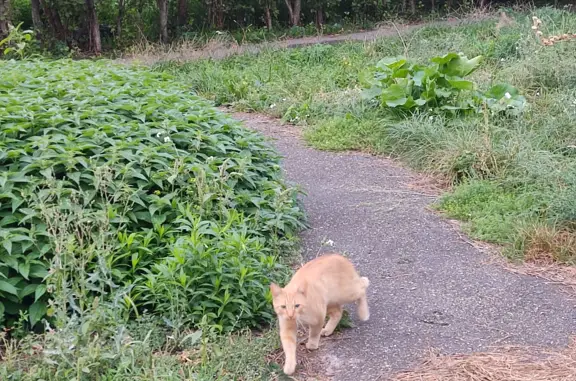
pixel 326 332
pixel 289 368
pixel 311 346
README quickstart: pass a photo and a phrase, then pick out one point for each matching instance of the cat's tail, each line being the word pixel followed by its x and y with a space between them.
pixel 362 304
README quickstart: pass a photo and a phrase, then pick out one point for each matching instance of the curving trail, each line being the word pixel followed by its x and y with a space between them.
pixel 218 50
pixel 428 287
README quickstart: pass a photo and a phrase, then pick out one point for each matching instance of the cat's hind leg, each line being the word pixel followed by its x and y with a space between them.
pixel 362 303
pixel 335 313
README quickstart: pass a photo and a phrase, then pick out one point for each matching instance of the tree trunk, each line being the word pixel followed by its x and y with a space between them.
pixel 163 8
pixel 413 7
pixel 4 18
pixel 54 20
pixel 93 28
pixel 294 7
pixel 36 19
pixel 182 12
pixel 319 17
pixel 433 5
pixel 483 4
pixel 268 17
pixel 120 17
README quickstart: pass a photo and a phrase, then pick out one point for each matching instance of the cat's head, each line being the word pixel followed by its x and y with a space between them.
pixel 288 304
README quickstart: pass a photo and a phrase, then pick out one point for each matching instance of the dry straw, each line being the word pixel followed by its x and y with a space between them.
pixel 504 364
pixel 553 39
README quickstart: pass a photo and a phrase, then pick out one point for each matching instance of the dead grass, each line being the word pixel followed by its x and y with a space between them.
pixel 545 245
pixel 503 364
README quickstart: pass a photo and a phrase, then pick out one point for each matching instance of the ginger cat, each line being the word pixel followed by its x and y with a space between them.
pixel 321 287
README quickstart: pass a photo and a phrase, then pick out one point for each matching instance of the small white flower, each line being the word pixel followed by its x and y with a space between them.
pixel 273 105
pixel 537 93
pixel 431 118
pixel 329 243
pixel 502 59
pixel 159 134
pixel 507 96
pixel 166 139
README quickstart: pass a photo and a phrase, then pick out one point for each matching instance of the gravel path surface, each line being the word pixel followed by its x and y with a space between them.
pixel 428 287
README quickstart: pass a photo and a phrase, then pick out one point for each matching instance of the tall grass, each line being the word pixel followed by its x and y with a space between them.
pixel 510 176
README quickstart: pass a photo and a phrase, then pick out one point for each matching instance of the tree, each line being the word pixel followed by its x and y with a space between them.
pixel 216 13
pixel 36 18
pixel 267 4
pixel 54 20
pixel 163 8
pixel 4 18
pixel 120 17
pixel 93 28
pixel 182 12
pixel 294 8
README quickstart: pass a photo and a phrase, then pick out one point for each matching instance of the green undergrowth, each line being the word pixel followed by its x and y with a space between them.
pixel 145 350
pixel 136 222
pixel 508 172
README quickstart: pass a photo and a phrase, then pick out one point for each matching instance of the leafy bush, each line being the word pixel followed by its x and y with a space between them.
pixel 110 175
pixel 440 85
pixel 16 43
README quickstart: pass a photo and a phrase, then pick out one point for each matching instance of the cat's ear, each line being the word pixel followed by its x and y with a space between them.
pixel 275 289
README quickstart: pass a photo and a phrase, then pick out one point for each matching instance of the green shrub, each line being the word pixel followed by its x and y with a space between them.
pixel 439 86
pixel 103 172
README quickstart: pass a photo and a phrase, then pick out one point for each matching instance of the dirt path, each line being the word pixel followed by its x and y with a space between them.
pixel 429 288
pixel 217 50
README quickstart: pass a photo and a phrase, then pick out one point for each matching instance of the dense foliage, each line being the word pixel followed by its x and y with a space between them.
pixel 91 25
pixel 439 86
pixel 118 181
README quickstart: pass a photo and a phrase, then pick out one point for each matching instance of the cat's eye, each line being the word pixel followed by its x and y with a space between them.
pixel 297 305
pixel 283 306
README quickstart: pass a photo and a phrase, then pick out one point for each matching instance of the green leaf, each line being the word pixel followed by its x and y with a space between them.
pixel 442 60
pixel 371 93
pixel 7 244
pixel 462 66
pixel 392 62
pixel 460 84
pixel 29 289
pixel 395 95
pixel 24 269
pixel 7 287
pixel 36 312
pixel 39 292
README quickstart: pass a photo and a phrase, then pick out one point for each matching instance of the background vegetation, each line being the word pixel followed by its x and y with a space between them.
pixel 513 174
pixel 96 25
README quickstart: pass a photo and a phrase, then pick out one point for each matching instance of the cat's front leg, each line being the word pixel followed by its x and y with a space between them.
pixel 288 337
pixel 315 329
